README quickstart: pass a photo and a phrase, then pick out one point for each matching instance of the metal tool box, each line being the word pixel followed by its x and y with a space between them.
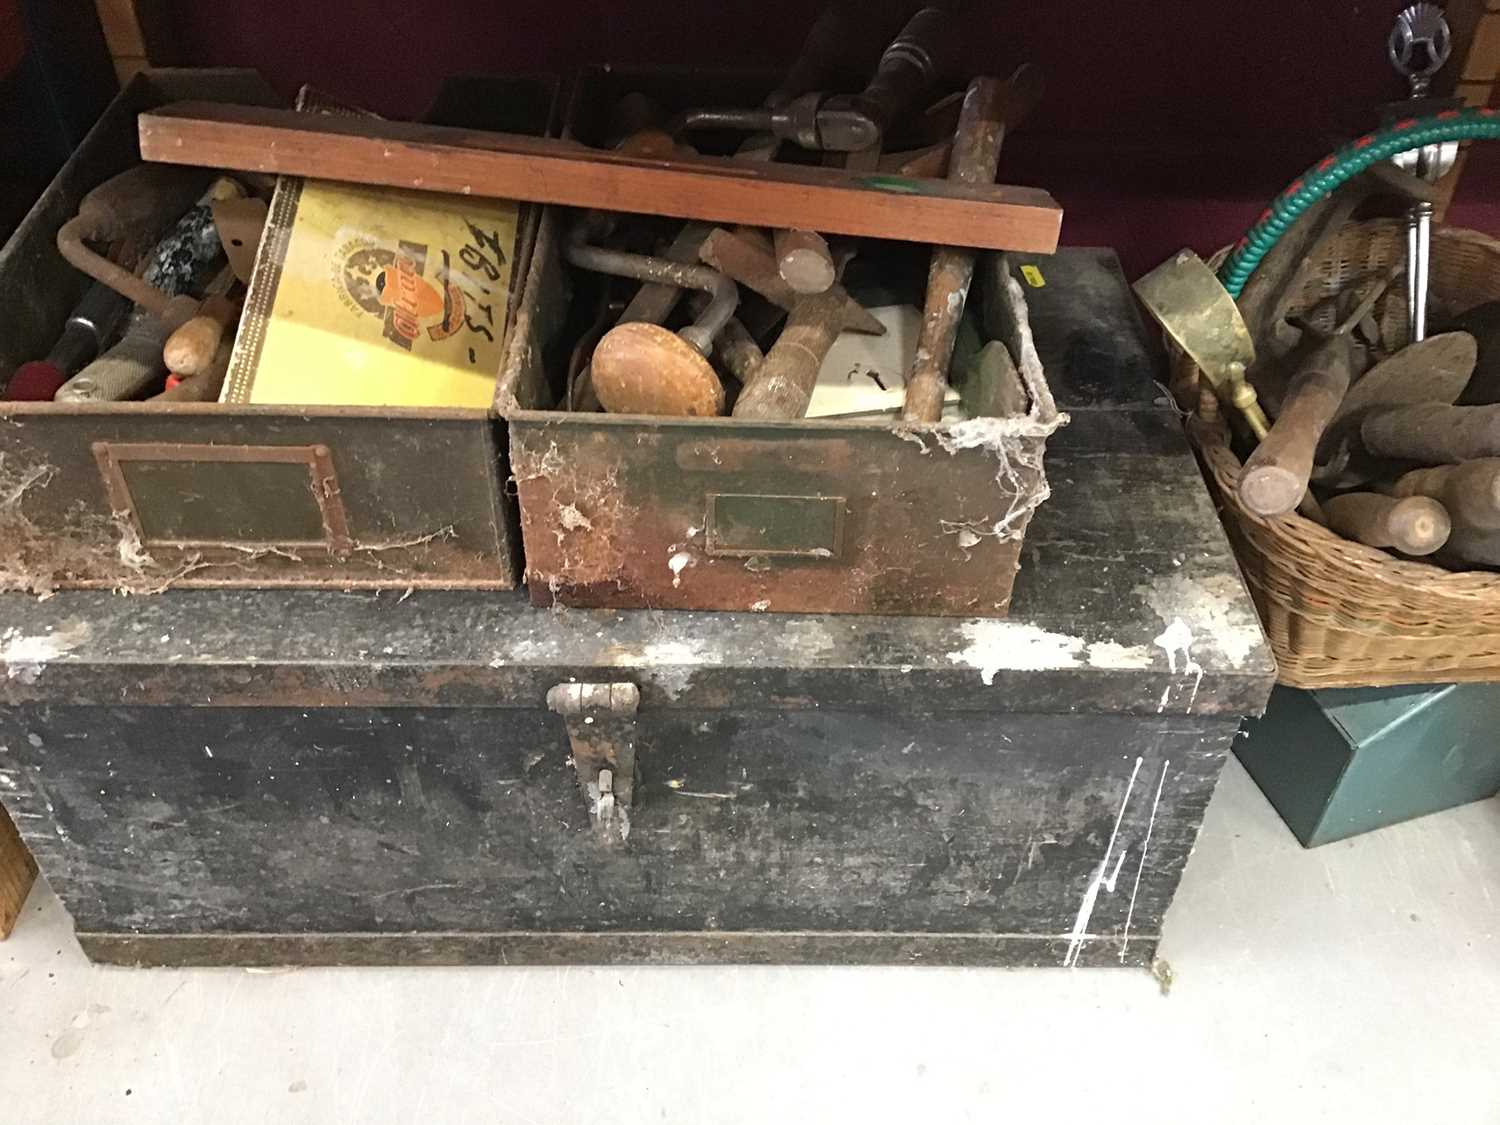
pixel 868 516
pixel 461 777
pixel 112 494
pixel 1337 762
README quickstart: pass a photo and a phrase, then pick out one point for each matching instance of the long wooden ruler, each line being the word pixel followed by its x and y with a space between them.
pixel 547 170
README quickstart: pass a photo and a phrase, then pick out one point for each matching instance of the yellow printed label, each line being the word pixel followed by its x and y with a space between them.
pixel 371 297
pixel 1033 277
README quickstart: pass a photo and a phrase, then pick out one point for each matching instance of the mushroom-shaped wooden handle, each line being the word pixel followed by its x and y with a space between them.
pixel 1417 525
pixel 646 369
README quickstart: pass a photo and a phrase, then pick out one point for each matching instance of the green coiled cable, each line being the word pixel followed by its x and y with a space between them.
pixel 1342 166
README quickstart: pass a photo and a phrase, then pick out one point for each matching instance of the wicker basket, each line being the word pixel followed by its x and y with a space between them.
pixel 1340 614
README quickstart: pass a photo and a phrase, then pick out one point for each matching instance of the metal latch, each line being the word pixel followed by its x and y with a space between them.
pixel 601 728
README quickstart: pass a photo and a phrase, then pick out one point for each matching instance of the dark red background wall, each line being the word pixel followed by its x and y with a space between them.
pixel 1165 123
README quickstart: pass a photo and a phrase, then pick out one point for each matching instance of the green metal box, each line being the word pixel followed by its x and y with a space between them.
pixel 1339 762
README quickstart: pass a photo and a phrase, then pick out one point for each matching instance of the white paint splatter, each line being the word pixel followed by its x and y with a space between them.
pixel 677 564
pixel 1178 638
pixel 996 645
pixel 666 652
pixel 1141 866
pixel 1216 607
pixel 25 658
pixel 1109 654
pixel 1101 880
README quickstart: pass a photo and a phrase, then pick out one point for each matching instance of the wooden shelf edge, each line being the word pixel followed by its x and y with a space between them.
pixel 17 874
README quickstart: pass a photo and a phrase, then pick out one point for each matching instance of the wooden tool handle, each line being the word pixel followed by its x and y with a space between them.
pixel 780 388
pixel 754 267
pixel 207 384
pixel 976 159
pixel 1433 432
pixel 191 349
pixel 922 50
pixel 804 261
pixel 1276 474
pixel 1470 491
pixel 1417 525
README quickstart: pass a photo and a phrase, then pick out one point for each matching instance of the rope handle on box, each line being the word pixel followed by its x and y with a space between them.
pixel 1335 170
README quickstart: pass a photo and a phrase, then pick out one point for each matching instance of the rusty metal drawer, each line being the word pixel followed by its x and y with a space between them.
pixel 142 496
pixel 816 516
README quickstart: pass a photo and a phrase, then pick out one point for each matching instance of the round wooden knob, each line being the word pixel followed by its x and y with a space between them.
pixel 646 369
pixel 1270 490
pixel 1419 525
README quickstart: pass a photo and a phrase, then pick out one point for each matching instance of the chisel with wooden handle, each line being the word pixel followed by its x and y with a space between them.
pixel 1417 525
pixel 1275 476
pixel 1470 491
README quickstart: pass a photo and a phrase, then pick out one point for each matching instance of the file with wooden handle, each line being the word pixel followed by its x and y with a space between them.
pixel 1417 525
pixel 1470 491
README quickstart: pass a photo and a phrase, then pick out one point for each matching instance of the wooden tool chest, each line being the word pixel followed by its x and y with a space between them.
pixel 459 777
pixel 113 494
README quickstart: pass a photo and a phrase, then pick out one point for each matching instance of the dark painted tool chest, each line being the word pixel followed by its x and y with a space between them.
pixel 112 494
pixel 462 777
pixel 815 515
